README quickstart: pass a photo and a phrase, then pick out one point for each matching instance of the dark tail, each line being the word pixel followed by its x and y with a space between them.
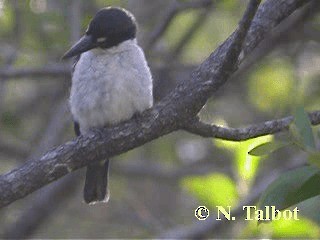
pixel 96 184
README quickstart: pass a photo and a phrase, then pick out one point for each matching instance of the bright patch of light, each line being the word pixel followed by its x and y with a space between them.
pixel 38 6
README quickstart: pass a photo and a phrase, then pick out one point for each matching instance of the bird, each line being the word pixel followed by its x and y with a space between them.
pixel 111 82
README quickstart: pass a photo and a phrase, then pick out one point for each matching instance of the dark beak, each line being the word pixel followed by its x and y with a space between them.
pixel 84 44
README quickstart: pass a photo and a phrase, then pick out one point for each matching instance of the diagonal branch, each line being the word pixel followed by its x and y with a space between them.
pixel 240 134
pixel 186 38
pixel 47 71
pixel 270 14
pixel 167 116
pixel 173 10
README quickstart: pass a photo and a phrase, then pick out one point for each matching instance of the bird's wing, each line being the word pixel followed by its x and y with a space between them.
pixel 76 125
pixel 76 60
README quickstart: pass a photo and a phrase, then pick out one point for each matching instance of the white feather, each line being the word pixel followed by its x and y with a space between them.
pixel 110 85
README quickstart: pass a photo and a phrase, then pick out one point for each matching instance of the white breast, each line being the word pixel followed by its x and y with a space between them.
pixel 109 86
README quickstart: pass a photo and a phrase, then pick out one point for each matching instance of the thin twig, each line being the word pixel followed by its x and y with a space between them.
pixel 178 49
pixel 174 9
pixel 55 71
pixel 240 134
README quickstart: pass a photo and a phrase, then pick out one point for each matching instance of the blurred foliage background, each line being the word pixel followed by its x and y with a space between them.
pixel 156 187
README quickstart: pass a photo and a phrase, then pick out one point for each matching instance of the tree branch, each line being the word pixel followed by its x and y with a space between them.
pixel 173 10
pixel 167 116
pixel 281 35
pixel 185 39
pixel 270 14
pixel 239 134
pixel 48 71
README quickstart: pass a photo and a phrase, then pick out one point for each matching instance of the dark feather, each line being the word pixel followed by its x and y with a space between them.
pixel 76 127
pixel 75 61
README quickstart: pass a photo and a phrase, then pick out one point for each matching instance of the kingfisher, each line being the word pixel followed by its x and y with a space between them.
pixel 111 82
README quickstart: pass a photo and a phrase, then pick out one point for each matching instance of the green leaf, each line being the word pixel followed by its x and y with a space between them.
pixel 245 164
pixel 291 188
pixel 301 130
pixel 293 229
pixel 267 148
pixel 314 159
pixel 208 189
pixel 282 229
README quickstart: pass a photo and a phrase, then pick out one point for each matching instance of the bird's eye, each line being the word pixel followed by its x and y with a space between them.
pixel 102 39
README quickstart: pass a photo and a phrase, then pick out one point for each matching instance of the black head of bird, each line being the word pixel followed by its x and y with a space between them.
pixel 109 27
